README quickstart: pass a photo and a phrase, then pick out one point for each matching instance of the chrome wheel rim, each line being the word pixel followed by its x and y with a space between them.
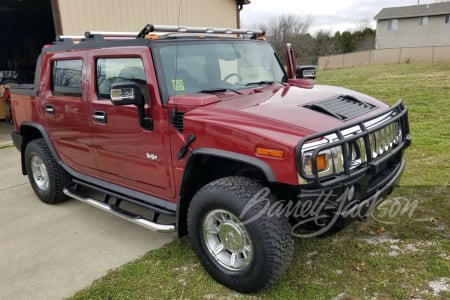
pixel 227 240
pixel 40 174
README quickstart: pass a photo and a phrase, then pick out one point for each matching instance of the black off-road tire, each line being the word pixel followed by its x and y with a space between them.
pixel 218 207
pixel 47 178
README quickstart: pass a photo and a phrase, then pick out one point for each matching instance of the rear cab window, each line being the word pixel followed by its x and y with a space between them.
pixel 66 77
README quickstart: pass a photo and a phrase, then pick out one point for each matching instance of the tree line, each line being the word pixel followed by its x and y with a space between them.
pixel 296 30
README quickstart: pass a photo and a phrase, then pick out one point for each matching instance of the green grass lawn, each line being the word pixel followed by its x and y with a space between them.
pixel 406 256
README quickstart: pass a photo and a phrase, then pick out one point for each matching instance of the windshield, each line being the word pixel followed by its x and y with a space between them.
pixel 214 66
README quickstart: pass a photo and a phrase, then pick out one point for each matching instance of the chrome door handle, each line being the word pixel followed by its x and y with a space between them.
pixel 99 116
pixel 49 109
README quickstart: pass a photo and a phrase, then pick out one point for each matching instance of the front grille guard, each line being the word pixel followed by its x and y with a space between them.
pixel 398 113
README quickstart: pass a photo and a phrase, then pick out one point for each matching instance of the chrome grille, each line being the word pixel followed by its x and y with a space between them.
pixel 381 141
pixel 352 147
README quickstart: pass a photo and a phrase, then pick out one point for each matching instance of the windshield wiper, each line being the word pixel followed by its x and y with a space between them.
pixel 268 82
pixel 219 90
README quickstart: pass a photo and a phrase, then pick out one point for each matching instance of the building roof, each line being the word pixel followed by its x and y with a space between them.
pixel 433 9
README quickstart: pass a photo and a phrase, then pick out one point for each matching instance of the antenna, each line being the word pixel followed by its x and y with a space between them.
pixel 173 113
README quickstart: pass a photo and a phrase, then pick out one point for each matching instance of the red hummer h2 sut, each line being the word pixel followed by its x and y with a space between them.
pixel 207 127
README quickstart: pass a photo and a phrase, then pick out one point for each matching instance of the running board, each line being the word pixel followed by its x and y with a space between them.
pixel 133 219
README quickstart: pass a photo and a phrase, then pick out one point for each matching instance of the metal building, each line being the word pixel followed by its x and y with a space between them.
pixel 73 17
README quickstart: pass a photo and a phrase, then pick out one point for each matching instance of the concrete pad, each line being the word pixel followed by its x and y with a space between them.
pixel 5 133
pixel 52 251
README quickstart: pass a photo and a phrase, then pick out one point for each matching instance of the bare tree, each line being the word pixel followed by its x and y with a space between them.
pixel 289 29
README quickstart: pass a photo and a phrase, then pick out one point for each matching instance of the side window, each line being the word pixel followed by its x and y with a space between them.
pixel 423 21
pixel 392 24
pixel 111 70
pixel 66 77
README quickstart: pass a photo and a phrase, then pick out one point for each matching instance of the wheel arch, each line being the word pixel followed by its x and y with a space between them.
pixel 211 161
pixel 30 131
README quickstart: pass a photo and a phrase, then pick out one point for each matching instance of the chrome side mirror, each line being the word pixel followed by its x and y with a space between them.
pixel 124 93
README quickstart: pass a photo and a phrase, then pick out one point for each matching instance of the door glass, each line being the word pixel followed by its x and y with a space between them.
pixel 66 77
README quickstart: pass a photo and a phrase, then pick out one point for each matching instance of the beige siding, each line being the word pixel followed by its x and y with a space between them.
pixel 131 15
pixel 411 34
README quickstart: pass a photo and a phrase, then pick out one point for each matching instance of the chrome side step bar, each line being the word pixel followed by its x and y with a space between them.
pixel 136 220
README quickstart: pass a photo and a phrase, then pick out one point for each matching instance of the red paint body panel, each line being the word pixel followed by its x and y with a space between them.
pixel 118 150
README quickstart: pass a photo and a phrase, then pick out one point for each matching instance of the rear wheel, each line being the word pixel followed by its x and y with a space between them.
pixel 46 177
pixel 244 253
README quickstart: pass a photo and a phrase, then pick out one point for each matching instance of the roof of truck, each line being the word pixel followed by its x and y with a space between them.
pixel 150 33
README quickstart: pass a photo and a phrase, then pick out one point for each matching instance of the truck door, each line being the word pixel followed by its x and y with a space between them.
pixel 63 104
pixel 125 152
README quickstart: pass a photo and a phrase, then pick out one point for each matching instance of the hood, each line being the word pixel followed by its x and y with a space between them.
pixel 289 110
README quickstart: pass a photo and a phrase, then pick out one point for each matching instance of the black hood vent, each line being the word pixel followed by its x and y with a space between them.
pixel 341 107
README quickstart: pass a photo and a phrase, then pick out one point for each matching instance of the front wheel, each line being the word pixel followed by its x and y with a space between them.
pixel 46 177
pixel 238 245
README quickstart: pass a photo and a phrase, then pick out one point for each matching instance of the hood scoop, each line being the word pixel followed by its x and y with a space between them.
pixel 341 107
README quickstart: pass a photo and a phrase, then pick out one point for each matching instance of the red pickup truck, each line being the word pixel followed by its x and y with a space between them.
pixel 212 131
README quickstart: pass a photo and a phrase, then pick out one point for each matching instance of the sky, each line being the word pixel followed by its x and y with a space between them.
pixel 332 15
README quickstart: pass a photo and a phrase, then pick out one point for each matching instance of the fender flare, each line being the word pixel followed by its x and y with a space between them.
pixel 262 165
pixel 20 141
pixel 190 164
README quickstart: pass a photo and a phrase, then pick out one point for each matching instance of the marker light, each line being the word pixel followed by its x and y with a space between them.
pixel 269 152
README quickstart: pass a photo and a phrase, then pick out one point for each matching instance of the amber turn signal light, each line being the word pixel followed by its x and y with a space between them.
pixel 321 162
pixel 269 152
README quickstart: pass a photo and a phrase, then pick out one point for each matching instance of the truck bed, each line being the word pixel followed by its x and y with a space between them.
pixel 23 89
pixel 23 97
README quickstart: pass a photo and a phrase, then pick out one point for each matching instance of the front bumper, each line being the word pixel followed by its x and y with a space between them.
pixel 329 203
pixel 321 212
pixel 361 209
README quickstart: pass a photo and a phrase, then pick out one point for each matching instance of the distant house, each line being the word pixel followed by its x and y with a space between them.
pixel 413 26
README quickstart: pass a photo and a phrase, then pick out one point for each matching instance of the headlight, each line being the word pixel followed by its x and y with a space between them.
pixel 327 162
pixel 330 161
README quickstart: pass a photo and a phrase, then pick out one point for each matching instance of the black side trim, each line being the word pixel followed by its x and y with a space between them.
pixel 110 187
pixel 127 198
pixel 263 166
pixel 114 189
